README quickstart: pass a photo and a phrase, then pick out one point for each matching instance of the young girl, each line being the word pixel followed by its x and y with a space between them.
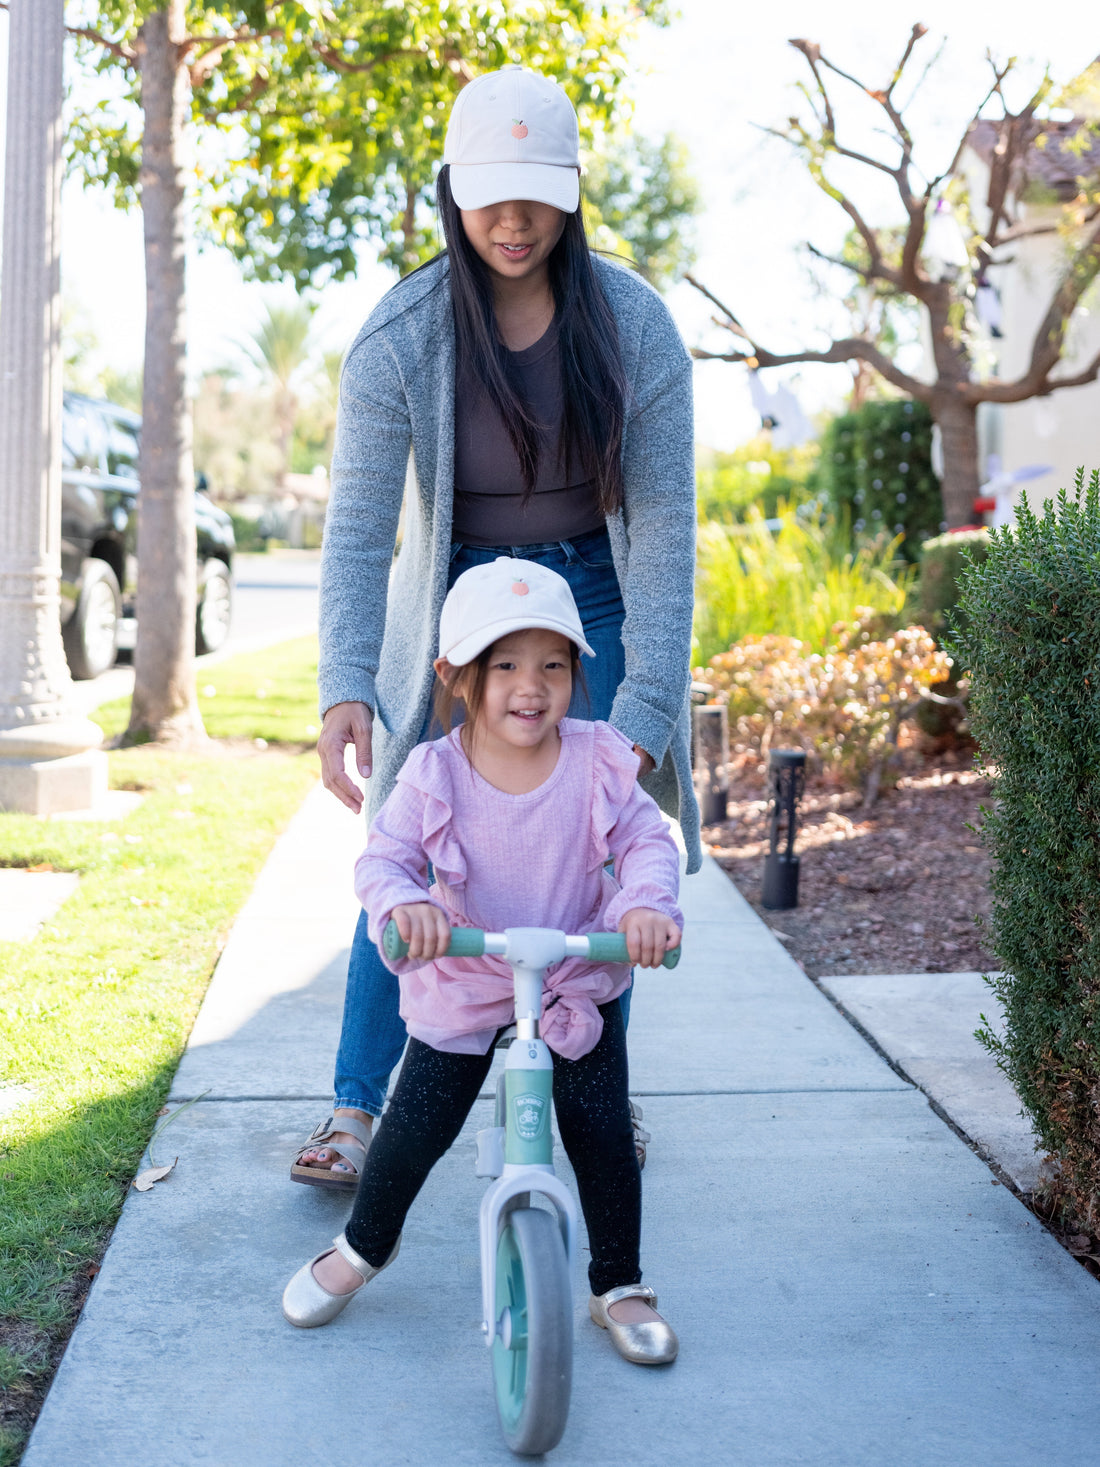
pixel 518 811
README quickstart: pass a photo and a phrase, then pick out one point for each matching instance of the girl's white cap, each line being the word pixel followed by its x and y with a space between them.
pixel 513 135
pixel 488 602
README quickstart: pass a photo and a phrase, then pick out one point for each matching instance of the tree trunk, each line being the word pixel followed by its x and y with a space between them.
pixel 164 705
pixel 956 419
pixel 958 425
pixel 408 230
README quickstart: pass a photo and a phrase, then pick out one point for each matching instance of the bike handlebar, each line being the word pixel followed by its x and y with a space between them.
pixel 469 942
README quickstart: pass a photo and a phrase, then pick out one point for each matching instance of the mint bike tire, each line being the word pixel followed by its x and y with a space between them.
pixel 533 1378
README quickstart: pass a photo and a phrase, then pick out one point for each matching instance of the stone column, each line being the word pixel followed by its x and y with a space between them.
pixel 49 755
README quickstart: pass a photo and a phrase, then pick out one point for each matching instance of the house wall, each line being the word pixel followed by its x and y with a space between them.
pixel 1062 430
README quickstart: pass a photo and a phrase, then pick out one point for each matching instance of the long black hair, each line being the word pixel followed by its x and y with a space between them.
pixel 592 378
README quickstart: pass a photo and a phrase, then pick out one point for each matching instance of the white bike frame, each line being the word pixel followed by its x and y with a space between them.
pixel 529 951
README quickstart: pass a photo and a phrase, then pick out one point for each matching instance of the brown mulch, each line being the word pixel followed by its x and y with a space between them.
pixel 892 890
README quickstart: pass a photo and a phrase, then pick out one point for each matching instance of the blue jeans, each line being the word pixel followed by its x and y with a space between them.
pixel 372 1036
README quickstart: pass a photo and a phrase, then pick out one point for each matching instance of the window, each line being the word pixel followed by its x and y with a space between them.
pixel 122 450
pixel 81 438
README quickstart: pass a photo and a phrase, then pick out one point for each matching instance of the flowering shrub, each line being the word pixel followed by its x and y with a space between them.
pixel 844 705
pixel 796 574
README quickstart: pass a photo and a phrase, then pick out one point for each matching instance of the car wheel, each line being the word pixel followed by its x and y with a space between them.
pixel 91 633
pixel 215 607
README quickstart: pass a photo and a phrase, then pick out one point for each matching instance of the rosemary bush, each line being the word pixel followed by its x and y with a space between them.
pixel 1029 633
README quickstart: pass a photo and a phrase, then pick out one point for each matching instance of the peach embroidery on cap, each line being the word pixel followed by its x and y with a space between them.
pixel 519 128
pixel 520 588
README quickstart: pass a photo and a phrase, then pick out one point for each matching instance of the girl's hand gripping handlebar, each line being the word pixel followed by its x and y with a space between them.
pixel 472 942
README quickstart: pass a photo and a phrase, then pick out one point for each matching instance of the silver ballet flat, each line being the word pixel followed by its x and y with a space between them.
pixel 306 1304
pixel 652 1343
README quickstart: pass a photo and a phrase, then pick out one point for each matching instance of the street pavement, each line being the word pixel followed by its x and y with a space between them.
pixel 850 1282
pixel 274 599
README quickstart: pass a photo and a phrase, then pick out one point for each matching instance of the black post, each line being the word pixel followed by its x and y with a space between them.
pixel 786 778
pixel 711 760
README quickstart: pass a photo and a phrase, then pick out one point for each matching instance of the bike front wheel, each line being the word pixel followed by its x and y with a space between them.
pixel 533 1348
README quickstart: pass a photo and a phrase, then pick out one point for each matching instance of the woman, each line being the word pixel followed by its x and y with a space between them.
pixel 545 397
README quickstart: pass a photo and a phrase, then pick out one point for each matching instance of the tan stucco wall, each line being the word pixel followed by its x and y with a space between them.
pixel 1063 429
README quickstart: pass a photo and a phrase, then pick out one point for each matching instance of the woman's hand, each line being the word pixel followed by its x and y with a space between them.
pixel 425 928
pixel 646 762
pixel 649 935
pixel 344 724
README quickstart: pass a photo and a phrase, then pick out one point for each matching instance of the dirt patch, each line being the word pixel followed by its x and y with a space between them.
pixel 895 890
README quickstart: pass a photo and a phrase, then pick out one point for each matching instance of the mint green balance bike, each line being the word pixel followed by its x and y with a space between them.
pixel 527 1253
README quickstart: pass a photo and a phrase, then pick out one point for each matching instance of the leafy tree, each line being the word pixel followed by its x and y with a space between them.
pixel 756 476
pixel 640 198
pixel 315 425
pixel 280 348
pixel 945 291
pixel 875 312
pixel 235 438
pixel 316 128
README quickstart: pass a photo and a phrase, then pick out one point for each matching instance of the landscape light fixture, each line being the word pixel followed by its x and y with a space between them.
pixel 711 761
pixel 786 780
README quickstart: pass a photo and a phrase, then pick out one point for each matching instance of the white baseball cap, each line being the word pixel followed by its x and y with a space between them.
pixel 513 135
pixel 488 602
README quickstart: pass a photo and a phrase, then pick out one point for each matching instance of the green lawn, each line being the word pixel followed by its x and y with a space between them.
pixel 95 1010
pixel 269 695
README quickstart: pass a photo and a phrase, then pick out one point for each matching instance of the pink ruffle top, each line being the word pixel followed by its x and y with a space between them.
pixel 530 860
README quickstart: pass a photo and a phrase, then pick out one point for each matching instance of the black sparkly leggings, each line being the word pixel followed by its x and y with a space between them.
pixel 433 1097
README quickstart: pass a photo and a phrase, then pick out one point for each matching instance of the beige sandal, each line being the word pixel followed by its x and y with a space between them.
pixel 641 1135
pixel 353 1152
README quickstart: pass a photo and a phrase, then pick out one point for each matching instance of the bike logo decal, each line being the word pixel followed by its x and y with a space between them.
pixel 530 1113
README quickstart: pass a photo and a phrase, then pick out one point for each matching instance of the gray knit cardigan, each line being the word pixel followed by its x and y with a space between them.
pixel 397 397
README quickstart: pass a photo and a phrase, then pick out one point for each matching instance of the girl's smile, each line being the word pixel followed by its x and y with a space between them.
pixel 528 685
pixel 512 740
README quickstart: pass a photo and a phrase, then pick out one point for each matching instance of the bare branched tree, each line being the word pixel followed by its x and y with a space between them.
pixel 1008 144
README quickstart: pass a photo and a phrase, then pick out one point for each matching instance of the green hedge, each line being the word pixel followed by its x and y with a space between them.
pixel 1029 636
pixel 942 560
pixel 876 469
pixel 246 532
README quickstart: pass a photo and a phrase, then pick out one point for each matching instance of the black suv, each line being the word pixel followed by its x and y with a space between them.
pixel 99 490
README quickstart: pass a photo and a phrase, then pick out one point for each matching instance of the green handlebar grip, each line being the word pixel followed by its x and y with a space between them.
pixel 466 942
pixel 469 942
pixel 610 947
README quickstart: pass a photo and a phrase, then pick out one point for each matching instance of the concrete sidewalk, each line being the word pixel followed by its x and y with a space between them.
pixel 925 1022
pixel 850 1283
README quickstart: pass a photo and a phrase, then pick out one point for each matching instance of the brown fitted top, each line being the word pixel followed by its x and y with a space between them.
pixel 488 496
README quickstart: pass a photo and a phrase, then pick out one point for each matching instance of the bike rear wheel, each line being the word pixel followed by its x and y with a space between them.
pixel 533 1348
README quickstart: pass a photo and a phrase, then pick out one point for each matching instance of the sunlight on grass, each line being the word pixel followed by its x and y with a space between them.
pixel 95 1010
pixel 797 581
pixel 269 695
